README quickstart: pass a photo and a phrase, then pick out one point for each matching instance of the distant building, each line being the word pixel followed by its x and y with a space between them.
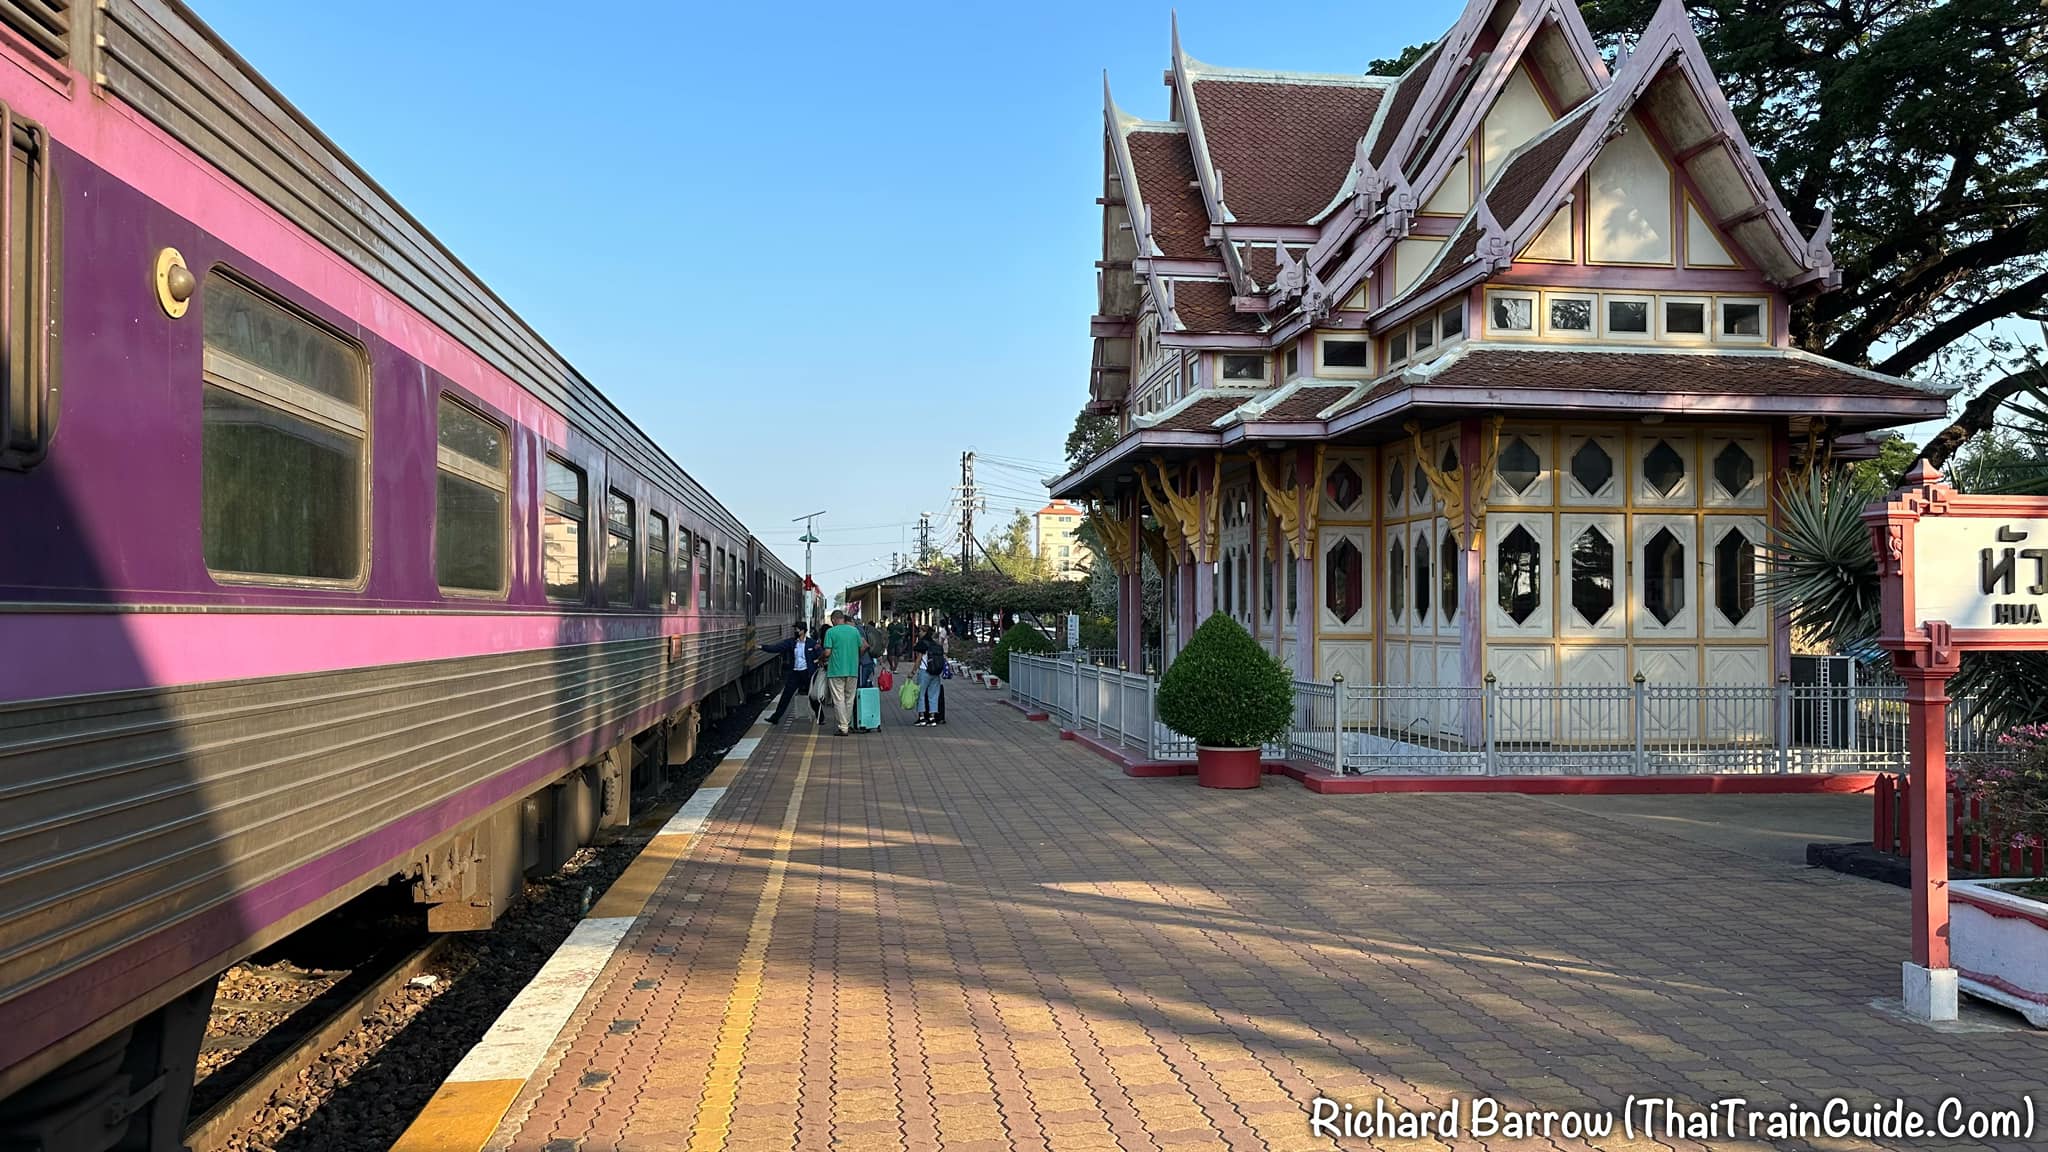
pixel 1053 529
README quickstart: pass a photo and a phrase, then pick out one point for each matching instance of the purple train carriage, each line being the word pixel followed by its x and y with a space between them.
pixel 318 567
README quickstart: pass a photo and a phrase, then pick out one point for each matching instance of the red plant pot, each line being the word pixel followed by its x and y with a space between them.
pixel 1227 767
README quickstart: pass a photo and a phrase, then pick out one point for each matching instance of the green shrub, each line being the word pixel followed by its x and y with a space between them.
pixel 1224 691
pixel 1098 632
pixel 1020 638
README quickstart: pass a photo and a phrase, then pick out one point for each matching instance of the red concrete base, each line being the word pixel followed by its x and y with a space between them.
pixel 1315 779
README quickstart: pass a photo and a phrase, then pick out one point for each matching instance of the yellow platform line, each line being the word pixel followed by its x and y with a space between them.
pixel 464 1113
pixel 714 1112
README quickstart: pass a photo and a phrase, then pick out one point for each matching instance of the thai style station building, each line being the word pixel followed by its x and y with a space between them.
pixel 1478 369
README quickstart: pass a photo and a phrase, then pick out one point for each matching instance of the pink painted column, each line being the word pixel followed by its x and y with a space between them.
pixel 1471 635
pixel 1307 486
pixel 1130 615
pixel 1927 816
pixel 1184 573
pixel 1205 570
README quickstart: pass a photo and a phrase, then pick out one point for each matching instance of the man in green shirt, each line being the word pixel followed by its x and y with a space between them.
pixel 842 668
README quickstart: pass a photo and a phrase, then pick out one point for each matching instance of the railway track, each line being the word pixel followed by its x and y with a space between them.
pixel 212 1130
pixel 306 1057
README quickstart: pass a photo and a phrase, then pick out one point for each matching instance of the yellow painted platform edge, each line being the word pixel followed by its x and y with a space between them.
pixel 462 1117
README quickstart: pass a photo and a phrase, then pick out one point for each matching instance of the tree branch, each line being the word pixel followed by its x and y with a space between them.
pixel 2011 302
pixel 1979 415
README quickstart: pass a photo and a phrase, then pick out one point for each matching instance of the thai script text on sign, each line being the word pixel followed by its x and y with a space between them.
pixel 1980 572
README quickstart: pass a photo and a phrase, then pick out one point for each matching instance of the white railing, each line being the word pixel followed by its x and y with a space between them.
pixel 1508 730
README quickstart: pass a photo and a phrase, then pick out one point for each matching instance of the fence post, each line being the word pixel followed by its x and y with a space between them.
pixel 1642 699
pixel 1337 722
pixel 1784 723
pixel 1122 729
pixel 1151 716
pixel 1489 699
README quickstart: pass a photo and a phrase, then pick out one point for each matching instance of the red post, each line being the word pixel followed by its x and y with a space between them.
pixel 1927 711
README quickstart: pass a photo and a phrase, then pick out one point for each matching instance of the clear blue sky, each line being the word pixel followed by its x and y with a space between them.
pixel 774 233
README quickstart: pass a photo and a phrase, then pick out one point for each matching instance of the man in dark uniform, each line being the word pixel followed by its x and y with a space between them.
pixel 799 657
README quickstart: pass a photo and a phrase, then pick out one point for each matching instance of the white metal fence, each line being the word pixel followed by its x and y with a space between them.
pixel 1505 730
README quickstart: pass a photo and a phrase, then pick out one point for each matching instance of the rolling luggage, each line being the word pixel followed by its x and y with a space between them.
pixel 941 713
pixel 867 709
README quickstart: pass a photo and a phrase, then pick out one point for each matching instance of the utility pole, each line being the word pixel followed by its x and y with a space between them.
pixel 924 539
pixel 808 538
pixel 967 500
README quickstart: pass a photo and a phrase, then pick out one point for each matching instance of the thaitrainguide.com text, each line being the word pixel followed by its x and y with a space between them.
pixel 1661 1117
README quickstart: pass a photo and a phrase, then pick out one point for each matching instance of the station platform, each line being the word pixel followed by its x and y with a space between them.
pixel 981 937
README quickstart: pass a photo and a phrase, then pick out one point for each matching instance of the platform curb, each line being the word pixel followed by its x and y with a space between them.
pixel 464 1113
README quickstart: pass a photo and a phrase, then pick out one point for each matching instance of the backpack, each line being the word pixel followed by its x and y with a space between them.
pixel 935 659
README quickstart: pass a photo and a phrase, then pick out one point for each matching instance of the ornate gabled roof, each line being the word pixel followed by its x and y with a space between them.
pixel 1506 202
pixel 1283 143
pixel 1400 105
pixel 1198 411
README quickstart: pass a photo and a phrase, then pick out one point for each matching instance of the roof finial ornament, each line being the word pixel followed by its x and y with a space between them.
pixel 1291 278
pixel 1817 248
pixel 1315 298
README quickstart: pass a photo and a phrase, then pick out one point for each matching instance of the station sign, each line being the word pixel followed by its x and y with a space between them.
pixel 1960 572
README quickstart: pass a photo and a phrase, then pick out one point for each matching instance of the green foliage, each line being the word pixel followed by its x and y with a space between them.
pixel 1042 597
pixel 2012 781
pixel 1821 562
pixel 1883 472
pixel 1092 436
pixel 955 593
pixel 1009 550
pixel 1395 66
pixel 1224 691
pixel 1020 638
pixel 1098 632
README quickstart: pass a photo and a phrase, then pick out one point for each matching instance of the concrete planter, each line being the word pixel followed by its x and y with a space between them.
pixel 1998 943
pixel 1227 767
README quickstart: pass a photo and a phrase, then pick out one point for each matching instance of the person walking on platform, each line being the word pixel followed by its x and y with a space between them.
pixel 899 642
pixel 842 670
pixel 870 653
pixel 799 658
pixel 930 653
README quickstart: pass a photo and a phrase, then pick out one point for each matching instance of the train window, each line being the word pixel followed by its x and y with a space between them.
pixel 660 594
pixel 561 531
pixel 618 553
pixel 283 412
pixel 703 574
pixel 469 501
pixel 27 381
pixel 718 578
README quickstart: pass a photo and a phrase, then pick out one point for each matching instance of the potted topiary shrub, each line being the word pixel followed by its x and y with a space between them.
pixel 1998 929
pixel 1230 696
pixel 1023 638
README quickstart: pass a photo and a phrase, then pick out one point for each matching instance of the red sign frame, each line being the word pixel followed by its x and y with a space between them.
pixel 1926 654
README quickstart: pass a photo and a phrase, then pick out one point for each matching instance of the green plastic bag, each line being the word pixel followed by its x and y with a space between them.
pixel 907 695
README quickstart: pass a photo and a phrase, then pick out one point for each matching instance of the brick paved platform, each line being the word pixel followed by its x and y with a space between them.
pixel 981 937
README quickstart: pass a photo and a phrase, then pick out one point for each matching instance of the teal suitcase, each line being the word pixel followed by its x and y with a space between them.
pixel 867 709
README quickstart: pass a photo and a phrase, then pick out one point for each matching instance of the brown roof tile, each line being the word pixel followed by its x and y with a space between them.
pixel 1258 260
pixel 1402 103
pixel 1517 185
pixel 1510 195
pixel 1283 148
pixel 1304 405
pixel 1166 175
pixel 1202 412
pixel 1734 374
pixel 1204 306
